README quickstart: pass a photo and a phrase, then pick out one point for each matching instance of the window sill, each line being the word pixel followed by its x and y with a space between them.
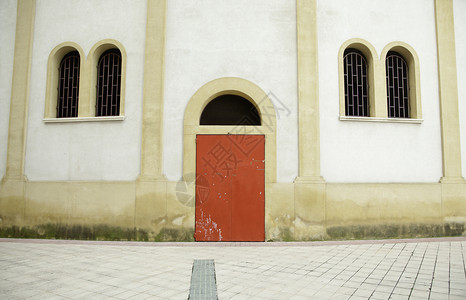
pixel 381 120
pixel 83 119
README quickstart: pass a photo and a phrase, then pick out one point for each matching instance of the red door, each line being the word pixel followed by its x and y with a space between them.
pixel 230 188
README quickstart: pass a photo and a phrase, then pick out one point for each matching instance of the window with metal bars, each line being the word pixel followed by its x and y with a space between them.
pixel 68 86
pixel 356 83
pixel 108 84
pixel 397 86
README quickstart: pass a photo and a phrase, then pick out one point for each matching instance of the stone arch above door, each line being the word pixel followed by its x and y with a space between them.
pixel 232 86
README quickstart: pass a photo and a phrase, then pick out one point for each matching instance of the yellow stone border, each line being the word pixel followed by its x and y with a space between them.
pixel 308 92
pixel 87 77
pixel 410 55
pixel 376 108
pixel 16 150
pixel 448 91
pixel 53 65
pixel 83 119
pixel 377 81
pixel 152 115
pixel 233 86
pixel 92 60
pixel 381 120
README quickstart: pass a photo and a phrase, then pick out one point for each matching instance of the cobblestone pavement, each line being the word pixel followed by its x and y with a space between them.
pixel 388 269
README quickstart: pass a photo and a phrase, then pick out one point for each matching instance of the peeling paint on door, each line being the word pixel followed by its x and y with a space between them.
pixel 231 206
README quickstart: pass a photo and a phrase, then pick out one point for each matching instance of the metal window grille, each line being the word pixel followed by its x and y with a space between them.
pixel 108 84
pixel 68 86
pixel 397 86
pixel 356 84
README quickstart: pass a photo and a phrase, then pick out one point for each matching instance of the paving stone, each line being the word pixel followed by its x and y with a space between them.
pixel 133 270
pixel 454 297
pixel 363 293
pixel 458 292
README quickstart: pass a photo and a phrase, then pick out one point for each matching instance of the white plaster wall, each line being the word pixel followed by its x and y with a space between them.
pixel 378 152
pixel 460 38
pixel 209 39
pixel 7 48
pixel 92 150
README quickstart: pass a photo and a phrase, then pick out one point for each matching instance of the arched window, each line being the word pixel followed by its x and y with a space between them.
pixel 68 86
pixel 230 110
pixel 108 84
pixel 397 86
pixel 356 83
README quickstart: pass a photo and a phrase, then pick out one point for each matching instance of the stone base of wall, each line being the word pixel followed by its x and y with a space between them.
pixel 161 210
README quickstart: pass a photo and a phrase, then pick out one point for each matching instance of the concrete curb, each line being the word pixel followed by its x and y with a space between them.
pixel 233 244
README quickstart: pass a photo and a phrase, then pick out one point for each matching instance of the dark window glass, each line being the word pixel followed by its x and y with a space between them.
pixel 230 110
pixel 68 86
pixel 397 86
pixel 356 83
pixel 108 84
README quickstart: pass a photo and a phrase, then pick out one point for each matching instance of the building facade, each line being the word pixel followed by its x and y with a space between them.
pixel 232 120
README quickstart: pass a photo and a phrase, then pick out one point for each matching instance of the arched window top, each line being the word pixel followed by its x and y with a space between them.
pixel 73 55
pixel 354 51
pixel 230 110
pixel 396 55
pixel 360 46
pixel 114 53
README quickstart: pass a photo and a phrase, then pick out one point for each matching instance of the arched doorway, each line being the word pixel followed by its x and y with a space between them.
pixel 230 174
pixel 229 142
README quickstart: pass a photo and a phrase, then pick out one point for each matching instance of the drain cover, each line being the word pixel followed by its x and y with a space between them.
pixel 203 283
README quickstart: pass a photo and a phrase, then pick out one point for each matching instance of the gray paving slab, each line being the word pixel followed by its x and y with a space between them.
pixel 385 269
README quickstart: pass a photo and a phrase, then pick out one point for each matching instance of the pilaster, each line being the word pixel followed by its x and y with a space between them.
pixel 448 87
pixel 308 92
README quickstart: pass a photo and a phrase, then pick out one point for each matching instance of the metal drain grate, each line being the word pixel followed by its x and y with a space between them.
pixel 203 282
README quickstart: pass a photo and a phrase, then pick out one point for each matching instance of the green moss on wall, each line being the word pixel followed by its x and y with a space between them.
pixel 75 232
pixel 114 233
pixel 389 231
pixel 175 235
pixel 284 235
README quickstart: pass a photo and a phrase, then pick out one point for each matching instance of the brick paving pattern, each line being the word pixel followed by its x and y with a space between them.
pixel 402 269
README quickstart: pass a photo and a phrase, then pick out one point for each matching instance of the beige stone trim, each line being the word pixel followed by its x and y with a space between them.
pixel 53 64
pixel 83 119
pixel 321 207
pixel 293 211
pixel 152 118
pixel 448 88
pixel 265 108
pixel 376 82
pixel 87 108
pixel 381 120
pixel 87 79
pixel 308 92
pixel 378 203
pixel 410 55
pixel 20 90
pixel 233 86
